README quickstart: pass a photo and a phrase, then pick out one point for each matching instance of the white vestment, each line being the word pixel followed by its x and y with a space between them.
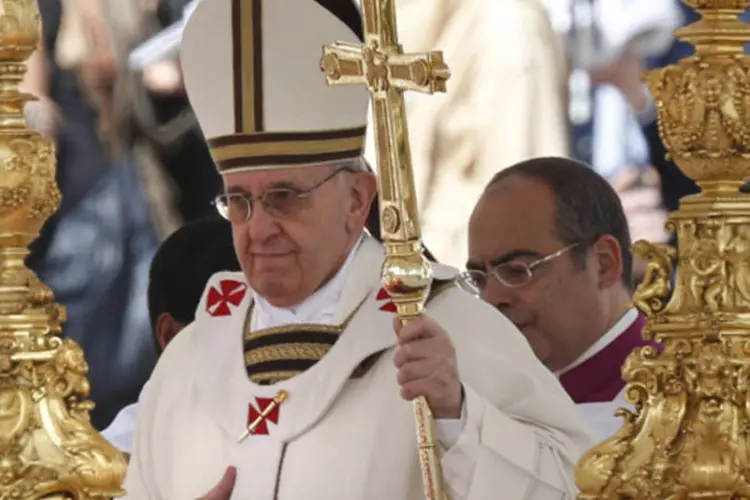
pixel 340 437
pixel 120 431
pixel 601 416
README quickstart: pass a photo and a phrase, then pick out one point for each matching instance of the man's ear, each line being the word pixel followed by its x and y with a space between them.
pixel 364 188
pixel 608 257
pixel 166 329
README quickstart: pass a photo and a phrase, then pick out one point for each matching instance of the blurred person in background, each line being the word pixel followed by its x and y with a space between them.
pixel 601 37
pixel 156 121
pixel 625 75
pixel 505 103
pixel 94 252
pixel 119 135
pixel 622 156
pixel 597 35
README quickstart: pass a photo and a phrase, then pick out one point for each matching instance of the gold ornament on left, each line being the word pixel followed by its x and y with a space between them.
pixel 48 448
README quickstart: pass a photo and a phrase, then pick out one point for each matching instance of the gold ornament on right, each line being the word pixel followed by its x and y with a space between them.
pixel 689 437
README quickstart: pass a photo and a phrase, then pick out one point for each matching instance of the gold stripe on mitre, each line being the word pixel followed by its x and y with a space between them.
pixel 243 151
pixel 247 65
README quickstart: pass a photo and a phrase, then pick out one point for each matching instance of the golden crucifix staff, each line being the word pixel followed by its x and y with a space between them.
pixel 387 72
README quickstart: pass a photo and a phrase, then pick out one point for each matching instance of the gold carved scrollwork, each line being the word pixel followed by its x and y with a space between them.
pixel 692 441
pixel 706 107
pixel 716 271
pixel 28 167
pixel 48 448
pixel 687 437
pixel 653 292
pixel 703 102
pixel 19 29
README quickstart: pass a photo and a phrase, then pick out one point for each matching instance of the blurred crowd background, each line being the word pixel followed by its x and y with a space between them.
pixel 529 78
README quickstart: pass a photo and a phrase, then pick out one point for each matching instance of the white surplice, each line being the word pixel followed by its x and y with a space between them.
pixel 338 437
pixel 120 431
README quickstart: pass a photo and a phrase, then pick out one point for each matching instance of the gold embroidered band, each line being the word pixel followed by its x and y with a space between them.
pixel 269 149
pixel 276 354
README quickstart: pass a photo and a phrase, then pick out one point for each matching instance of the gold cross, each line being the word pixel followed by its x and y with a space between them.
pixel 382 66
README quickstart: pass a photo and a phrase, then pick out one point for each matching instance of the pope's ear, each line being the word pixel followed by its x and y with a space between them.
pixel 364 189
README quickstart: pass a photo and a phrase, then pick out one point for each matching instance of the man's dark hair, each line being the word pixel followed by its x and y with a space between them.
pixel 184 263
pixel 586 205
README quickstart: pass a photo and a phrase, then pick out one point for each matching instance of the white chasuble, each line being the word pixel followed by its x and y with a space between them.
pixel 343 431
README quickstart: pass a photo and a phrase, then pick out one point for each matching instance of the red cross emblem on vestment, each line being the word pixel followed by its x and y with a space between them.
pixel 272 415
pixel 388 306
pixel 267 411
pixel 227 292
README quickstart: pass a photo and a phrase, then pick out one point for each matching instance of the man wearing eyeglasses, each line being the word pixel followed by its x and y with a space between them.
pixel 549 247
pixel 284 387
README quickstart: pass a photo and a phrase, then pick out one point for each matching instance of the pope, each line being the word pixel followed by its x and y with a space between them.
pixel 295 378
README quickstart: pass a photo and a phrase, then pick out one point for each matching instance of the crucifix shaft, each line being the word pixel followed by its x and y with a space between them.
pixel 381 65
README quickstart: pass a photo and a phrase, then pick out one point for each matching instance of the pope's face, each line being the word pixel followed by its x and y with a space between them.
pixel 287 257
pixel 556 311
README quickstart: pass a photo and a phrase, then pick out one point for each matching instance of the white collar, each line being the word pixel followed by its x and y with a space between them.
pixel 317 308
pixel 622 324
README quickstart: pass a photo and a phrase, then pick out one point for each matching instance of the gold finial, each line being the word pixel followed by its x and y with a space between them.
pixel 48 447
pixel 688 438
pixel 381 65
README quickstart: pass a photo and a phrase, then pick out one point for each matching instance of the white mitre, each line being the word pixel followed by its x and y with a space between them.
pixel 252 74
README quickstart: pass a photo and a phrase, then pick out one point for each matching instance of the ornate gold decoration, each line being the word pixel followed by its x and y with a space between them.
pixel 689 436
pixel 311 351
pixel 48 448
pixel 654 290
pixel 381 65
